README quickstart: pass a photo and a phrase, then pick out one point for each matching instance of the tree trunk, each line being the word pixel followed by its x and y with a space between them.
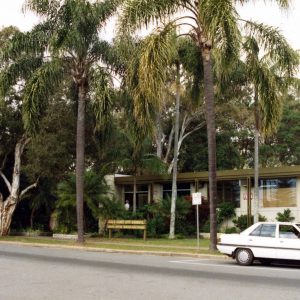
pixel 80 168
pixel 32 217
pixel 158 135
pixel 256 158
pixel 174 178
pixel 8 206
pixel 7 209
pixel 211 136
pixel 134 193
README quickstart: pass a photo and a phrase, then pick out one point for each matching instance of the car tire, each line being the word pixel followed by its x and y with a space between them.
pixel 244 257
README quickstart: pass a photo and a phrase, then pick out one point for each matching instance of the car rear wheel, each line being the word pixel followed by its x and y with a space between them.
pixel 244 257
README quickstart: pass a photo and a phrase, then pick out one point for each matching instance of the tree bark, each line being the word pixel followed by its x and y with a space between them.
pixel 211 136
pixel 174 178
pixel 256 158
pixel 158 135
pixel 8 206
pixel 7 209
pixel 80 166
pixel 134 193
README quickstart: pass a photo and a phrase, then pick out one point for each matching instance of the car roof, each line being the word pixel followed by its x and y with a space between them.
pixel 282 223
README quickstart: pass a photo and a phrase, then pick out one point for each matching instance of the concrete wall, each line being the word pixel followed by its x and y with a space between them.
pixel 157 192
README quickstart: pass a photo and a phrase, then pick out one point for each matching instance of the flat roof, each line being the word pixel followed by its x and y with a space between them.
pixel 279 172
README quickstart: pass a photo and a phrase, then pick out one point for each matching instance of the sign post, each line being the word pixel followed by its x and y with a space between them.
pixel 196 200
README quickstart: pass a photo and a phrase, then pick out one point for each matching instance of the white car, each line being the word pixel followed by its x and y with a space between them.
pixel 265 241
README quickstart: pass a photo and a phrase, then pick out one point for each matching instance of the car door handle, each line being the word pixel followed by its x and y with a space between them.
pixel 281 241
pixel 250 240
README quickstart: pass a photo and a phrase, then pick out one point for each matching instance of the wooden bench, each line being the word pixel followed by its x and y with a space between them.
pixel 127 224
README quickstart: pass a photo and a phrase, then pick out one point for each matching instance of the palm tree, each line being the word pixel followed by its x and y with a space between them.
pixel 69 32
pixel 212 25
pixel 269 68
pixel 214 29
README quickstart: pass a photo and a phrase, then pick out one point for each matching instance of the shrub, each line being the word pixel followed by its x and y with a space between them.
pixel 241 222
pixel 206 227
pixel 285 216
pixel 225 211
pixel 262 218
pixel 231 230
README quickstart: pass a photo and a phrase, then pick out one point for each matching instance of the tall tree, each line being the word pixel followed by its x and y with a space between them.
pixel 13 138
pixel 69 31
pixel 212 25
pixel 270 65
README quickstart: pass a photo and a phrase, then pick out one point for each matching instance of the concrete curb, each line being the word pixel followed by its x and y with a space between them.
pixel 108 250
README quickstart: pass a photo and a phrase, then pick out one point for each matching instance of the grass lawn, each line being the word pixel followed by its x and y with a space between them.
pixel 122 243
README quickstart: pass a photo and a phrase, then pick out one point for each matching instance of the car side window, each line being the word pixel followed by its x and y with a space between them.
pixel 264 230
pixel 288 232
pixel 256 231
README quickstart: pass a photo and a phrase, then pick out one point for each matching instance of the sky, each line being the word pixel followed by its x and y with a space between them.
pixel 287 22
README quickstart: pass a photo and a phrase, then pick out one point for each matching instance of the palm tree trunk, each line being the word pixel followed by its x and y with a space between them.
pixel 80 168
pixel 211 136
pixel 256 158
pixel 134 193
pixel 158 135
pixel 32 217
pixel 174 178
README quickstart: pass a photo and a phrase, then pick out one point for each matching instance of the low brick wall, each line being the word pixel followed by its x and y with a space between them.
pixel 206 235
pixel 64 236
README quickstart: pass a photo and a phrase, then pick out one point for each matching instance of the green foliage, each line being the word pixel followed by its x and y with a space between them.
pixel 231 230
pixel 66 204
pixel 283 148
pixel 158 217
pixel 262 218
pixel 225 211
pixel 111 208
pixel 285 216
pixel 241 222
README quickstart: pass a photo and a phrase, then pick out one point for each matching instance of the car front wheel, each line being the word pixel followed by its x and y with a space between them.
pixel 244 257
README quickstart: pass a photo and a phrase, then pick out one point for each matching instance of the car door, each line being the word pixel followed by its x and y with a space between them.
pixel 262 241
pixel 288 242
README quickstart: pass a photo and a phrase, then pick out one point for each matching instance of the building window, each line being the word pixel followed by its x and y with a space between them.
pixel 141 195
pixel 183 190
pixel 280 192
pixel 229 191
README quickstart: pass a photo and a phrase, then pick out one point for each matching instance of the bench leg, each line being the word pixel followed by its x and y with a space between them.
pixel 109 233
pixel 145 235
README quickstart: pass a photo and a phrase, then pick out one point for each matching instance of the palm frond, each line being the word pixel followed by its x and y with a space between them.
pixel 105 9
pixel 136 13
pixel 157 53
pixel 101 94
pixel 219 18
pixel 43 83
pixel 20 70
pixel 275 44
pixel 42 7
pixel 31 43
pixel 284 4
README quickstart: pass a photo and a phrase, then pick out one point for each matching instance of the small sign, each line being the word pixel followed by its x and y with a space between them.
pixel 196 198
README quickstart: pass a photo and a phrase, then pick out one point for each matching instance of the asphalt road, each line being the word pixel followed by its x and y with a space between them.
pixel 47 273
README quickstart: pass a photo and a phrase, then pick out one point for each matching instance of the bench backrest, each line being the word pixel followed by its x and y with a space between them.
pixel 127 224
